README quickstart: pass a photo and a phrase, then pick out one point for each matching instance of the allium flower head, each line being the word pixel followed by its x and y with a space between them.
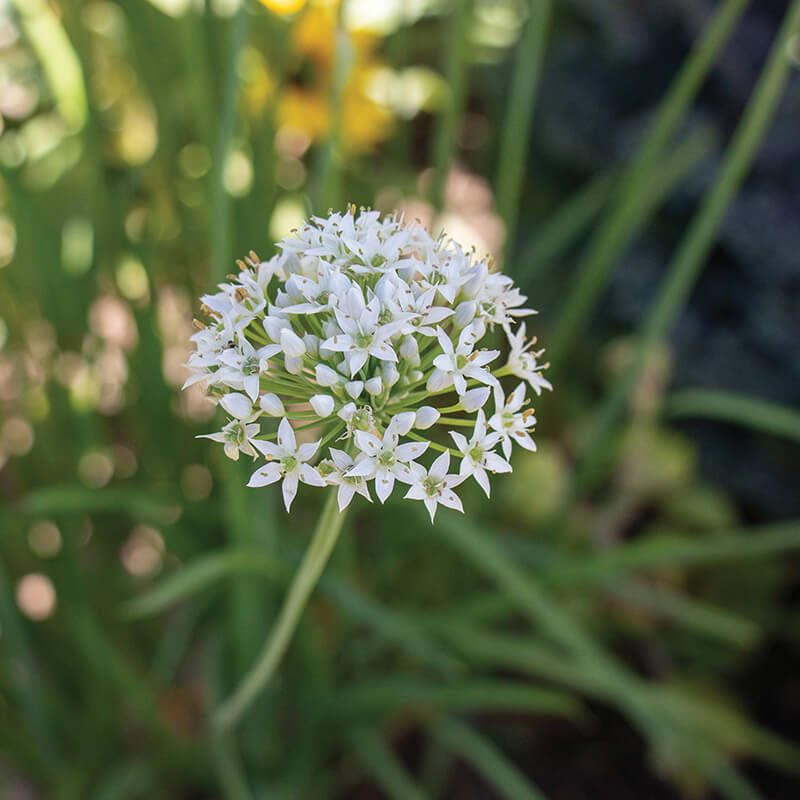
pixel 384 345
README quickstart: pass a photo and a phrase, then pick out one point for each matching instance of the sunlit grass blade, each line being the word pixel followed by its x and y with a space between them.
pixel 383 765
pixel 486 758
pixel 381 696
pixel 519 117
pixel 596 267
pixel 42 26
pixel 748 412
pixel 456 67
pixel 561 230
pixel 690 258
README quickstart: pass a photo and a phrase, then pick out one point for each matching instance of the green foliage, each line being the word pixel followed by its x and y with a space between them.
pixel 156 152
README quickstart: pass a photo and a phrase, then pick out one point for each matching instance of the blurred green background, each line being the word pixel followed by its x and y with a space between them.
pixel 622 619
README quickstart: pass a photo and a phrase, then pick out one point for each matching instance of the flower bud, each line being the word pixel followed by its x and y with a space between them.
pixel 322 404
pixel 291 344
pixel 402 423
pixel 271 404
pixel 409 350
pixel 327 376
pixel 354 388
pixel 374 386
pixel 475 398
pixel 293 364
pixel 237 405
pixel 390 373
pixel 465 313
pixel 426 417
pixel 437 381
pixel 346 412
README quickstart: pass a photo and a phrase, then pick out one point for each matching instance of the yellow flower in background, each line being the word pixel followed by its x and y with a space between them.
pixel 304 101
pixel 284 7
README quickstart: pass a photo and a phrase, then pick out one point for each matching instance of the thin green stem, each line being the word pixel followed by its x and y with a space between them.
pixel 596 265
pixel 455 73
pixel 519 115
pixel 303 583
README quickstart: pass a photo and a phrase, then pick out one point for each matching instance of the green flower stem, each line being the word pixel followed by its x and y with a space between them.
pixel 304 581
pixel 435 445
pixel 466 423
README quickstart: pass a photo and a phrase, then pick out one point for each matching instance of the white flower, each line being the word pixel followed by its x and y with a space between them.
pixel 461 363
pixel 348 484
pixel 523 362
pixel 434 486
pixel 509 422
pixel 287 461
pixel 386 460
pixel 244 365
pixel 478 454
pixel 362 336
pixel 354 326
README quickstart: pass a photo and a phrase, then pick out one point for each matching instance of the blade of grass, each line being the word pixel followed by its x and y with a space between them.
pixel 456 66
pixel 139 504
pixel 561 230
pixel 479 751
pixel 329 189
pixel 220 227
pixel 596 266
pixel 380 696
pixel 515 132
pixel 382 764
pixel 688 262
pixel 749 412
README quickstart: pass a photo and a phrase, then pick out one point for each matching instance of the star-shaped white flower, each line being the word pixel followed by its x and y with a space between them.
pixel 524 362
pixel 457 365
pixel 361 334
pixel 349 485
pixel 287 461
pixel 434 486
pixel 386 460
pixel 509 422
pixel 243 366
pixel 238 435
pixel 478 453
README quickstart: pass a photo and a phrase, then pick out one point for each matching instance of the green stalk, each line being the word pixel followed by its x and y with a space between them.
pixel 595 266
pixel 304 581
pixel 760 415
pixel 455 74
pixel 519 116
pixel 220 203
pixel 696 244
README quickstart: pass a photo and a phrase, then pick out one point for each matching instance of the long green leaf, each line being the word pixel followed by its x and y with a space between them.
pixel 749 412
pixel 383 765
pixel 487 759
pixel 596 265
pixel 381 696
pixel 697 242
pixel 519 116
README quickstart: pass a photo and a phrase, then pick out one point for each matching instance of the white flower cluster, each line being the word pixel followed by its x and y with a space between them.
pixel 358 330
